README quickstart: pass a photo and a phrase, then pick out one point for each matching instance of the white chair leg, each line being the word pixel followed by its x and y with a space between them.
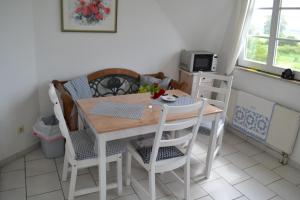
pixel 72 182
pixel 187 177
pixel 128 168
pixel 152 185
pixel 119 174
pixel 220 140
pixel 65 168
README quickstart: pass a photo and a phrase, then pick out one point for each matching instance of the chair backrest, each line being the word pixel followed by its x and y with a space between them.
pixel 164 125
pixel 221 93
pixel 59 115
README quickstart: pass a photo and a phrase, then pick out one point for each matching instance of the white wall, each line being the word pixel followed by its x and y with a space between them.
pixel 201 23
pixel 146 42
pixel 18 99
pixel 282 92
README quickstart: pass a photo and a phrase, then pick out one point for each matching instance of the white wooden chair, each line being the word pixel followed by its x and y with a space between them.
pixel 79 152
pixel 221 95
pixel 167 154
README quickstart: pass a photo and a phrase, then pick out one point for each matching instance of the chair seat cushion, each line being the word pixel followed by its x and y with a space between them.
pixel 163 153
pixel 84 146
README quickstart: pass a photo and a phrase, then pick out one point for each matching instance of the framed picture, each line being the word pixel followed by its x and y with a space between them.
pixel 89 15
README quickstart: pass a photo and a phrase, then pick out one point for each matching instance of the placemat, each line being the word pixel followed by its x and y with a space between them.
pixel 122 110
pixel 180 101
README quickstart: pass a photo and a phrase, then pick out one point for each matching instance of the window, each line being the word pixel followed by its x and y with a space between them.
pixel 273 39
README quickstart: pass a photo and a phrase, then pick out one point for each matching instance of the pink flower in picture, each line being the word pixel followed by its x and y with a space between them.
pixel 82 2
pixel 85 11
pixel 91 12
pixel 107 10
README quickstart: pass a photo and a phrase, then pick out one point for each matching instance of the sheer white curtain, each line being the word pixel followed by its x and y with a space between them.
pixel 236 34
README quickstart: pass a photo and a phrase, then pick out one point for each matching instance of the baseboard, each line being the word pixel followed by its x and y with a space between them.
pixel 19 154
pixel 263 147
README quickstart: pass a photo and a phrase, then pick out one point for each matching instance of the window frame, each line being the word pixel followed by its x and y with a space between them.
pixel 270 65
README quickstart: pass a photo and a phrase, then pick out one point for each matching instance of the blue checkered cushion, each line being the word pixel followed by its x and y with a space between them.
pixel 84 146
pixel 78 88
pixel 163 153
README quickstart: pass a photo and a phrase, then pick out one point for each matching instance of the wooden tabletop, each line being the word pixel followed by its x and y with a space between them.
pixel 103 124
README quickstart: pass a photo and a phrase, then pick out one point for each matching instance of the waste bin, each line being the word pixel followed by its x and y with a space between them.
pixel 52 142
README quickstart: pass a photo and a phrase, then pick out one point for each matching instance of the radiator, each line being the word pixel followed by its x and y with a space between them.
pixel 283 126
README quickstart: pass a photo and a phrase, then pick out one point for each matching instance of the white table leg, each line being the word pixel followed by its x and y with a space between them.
pixel 102 166
pixel 212 146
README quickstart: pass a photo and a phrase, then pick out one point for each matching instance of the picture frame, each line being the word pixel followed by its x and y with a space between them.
pixel 89 16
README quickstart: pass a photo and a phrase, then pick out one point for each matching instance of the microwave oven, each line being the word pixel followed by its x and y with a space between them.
pixel 195 61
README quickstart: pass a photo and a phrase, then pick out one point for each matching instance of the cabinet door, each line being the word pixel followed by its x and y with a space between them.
pixel 187 78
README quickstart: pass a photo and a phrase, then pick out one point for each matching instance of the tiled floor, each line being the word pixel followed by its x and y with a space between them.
pixel 241 172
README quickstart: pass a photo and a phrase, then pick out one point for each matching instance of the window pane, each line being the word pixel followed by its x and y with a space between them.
pixel 257 49
pixel 261 23
pixel 290 3
pixel 289 26
pixel 288 55
pixel 264 4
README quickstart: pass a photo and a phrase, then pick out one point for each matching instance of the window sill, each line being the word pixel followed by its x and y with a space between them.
pixel 267 74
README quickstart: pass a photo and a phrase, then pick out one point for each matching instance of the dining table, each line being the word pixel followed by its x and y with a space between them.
pixel 108 128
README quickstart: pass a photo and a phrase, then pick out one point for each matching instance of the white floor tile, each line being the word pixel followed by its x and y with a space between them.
pixel 203 138
pixel 289 173
pixel 253 190
pixel 17 194
pixel 166 177
pixel 113 194
pixel 13 166
pixel 42 184
pixel 12 180
pixel 221 190
pixel 196 170
pixel 241 160
pixel 129 197
pixel 231 139
pixel 138 173
pixel 213 176
pixel 227 149
pixel 34 155
pixel 232 174
pixel 59 160
pixel 95 196
pixel 248 149
pixel 195 160
pixel 41 166
pixel 285 190
pixel 169 198
pixel 262 174
pixel 56 195
pixel 217 162
pixel 160 189
pixel 199 148
pixel 178 189
pixel 267 160
pixel 242 198
pixel 92 196
pixel 277 198
pixel 206 198
pixel 83 181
